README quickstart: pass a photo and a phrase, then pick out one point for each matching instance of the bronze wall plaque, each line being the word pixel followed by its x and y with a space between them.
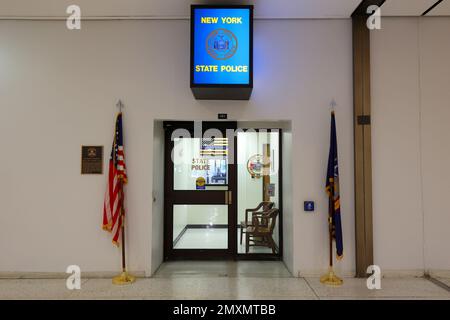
pixel 91 159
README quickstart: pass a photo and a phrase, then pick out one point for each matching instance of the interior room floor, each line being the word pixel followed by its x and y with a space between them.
pixel 213 238
pixel 222 280
pixel 205 238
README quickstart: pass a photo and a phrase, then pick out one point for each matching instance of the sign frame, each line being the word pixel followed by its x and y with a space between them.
pixel 97 161
pixel 222 91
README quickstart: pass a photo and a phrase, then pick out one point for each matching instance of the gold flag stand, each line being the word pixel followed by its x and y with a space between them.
pixel 331 278
pixel 123 278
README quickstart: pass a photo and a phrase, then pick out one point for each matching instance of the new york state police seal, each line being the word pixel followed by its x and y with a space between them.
pixel 221 44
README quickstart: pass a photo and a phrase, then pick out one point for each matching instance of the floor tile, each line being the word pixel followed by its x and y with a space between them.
pixel 151 288
pixel 223 269
pixel 445 281
pixel 199 289
pixel 405 288
pixel 254 288
pixel 33 289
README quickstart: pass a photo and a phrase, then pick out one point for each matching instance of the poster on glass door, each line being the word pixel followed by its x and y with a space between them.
pixel 213 163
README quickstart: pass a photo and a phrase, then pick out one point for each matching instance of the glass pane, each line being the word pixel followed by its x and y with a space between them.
pixel 200 226
pixel 258 181
pixel 200 164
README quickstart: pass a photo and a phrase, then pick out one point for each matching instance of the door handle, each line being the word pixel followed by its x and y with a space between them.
pixel 228 197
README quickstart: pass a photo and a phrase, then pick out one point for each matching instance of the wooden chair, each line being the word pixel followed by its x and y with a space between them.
pixel 264 206
pixel 260 233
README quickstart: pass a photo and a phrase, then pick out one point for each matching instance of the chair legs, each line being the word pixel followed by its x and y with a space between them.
pixel 266 240
pixel 272 244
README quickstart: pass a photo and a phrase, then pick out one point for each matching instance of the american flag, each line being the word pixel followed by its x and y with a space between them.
pixel 214 147
pixel 113 206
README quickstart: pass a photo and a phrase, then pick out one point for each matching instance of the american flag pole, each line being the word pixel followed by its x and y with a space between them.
pixel 332 190
pixel 124 277
pixel 122 209
pixel 124 263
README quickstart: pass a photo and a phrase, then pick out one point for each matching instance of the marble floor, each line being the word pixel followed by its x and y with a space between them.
pixel 222 281
pixel 445 281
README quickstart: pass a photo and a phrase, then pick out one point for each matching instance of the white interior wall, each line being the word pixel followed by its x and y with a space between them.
pixel 397 201
pixel 59 90
pixel 410 101
pixel 435 140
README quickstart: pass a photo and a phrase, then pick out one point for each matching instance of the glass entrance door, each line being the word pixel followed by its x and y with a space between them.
pixel 200 189
pixel 259 213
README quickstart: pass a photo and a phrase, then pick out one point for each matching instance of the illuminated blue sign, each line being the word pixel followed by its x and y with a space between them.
pixel 221 46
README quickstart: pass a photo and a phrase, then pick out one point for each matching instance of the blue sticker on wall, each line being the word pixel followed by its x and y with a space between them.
pixel 308 206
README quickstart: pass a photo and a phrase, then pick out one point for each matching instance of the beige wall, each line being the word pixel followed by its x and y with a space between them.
pixel 411 154
pixel 397 201
pixel 435 139
pixel 59 89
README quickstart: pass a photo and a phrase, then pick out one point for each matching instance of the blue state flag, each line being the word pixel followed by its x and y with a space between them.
pixel 332 189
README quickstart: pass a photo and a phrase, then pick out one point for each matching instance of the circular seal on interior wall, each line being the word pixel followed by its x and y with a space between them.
pixel 255 166
pixel 221 44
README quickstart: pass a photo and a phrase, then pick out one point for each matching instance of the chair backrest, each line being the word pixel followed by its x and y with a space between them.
pixel 271 217
pixel 266 205
pixel 266 219
pixel 262 207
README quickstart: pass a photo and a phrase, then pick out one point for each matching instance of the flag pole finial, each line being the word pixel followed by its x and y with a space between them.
pixel 333 104
pixel 119 105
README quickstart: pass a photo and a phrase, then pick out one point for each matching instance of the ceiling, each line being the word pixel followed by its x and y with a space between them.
pixel 415 8
pixel 442 9
pixel 406 7
pixel 282 9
